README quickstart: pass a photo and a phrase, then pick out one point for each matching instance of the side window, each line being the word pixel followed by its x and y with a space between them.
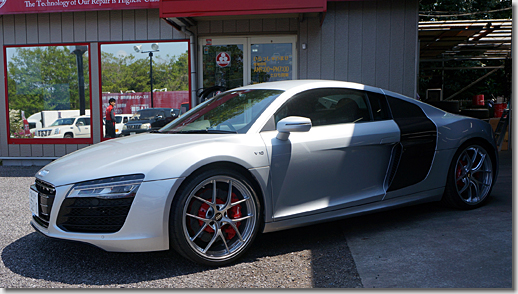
pixel 327 106
pixel 125 120
pixel 379 106
pixel 87 121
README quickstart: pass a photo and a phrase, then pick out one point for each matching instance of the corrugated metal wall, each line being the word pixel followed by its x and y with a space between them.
pixel 369 42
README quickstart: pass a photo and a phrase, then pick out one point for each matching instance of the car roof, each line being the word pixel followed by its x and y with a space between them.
pixel 307 84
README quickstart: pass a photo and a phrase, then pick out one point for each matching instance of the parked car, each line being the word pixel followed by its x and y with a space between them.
pixel 68 127
pixel 149 119
pixel 264 158
pixel 120 121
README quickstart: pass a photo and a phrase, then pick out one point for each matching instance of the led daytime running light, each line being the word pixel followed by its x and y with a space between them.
pixel 110 190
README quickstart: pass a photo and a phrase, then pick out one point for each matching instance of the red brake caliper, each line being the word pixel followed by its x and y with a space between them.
pixel 459 173
pixel 233 213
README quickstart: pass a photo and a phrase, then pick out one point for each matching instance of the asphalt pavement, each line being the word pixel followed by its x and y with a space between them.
pixel 424 246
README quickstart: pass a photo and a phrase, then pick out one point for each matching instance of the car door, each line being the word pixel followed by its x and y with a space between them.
pixel 82 127
pixel 341 162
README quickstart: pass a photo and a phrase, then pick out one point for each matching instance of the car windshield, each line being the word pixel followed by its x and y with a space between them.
pixel 63 122
pixel 144 114
pixel 229 112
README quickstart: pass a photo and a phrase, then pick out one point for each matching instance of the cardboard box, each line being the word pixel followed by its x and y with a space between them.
pixel 494 122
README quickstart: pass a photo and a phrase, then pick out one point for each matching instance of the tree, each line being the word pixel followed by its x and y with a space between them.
pixel 494 85
pixel 123 73
pixel 467 9
pixel 44 78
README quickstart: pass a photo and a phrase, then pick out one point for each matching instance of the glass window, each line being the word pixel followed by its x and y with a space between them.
pixel 141 76
pixel 327 106
pixel 47 85
pixel 271 62
pixel 223 66
pixel 230 112
pixel 379 106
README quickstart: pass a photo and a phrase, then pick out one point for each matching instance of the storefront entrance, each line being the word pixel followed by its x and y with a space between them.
pixel 234 62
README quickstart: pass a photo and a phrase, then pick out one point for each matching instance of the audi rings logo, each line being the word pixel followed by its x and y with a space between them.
pixel 2 2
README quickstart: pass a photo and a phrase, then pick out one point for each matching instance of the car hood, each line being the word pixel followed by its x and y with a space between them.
pixel 149 154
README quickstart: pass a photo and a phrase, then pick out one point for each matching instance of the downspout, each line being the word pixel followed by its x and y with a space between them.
pixel 192 49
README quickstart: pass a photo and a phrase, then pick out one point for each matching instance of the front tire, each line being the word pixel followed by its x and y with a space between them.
pixel 470 178
pixel 214 217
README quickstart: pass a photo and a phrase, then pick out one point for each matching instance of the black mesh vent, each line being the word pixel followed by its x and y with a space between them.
pixel 93 215
pixel 46 195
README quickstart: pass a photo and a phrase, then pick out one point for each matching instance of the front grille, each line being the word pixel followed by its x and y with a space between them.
pixel 43 133
pixel 93 215
pixel 133 126
pixel 46 195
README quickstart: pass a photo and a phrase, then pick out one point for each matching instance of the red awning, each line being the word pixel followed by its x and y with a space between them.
pixel 195 8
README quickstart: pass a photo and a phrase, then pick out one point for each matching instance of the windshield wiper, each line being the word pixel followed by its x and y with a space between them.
pixel 206 131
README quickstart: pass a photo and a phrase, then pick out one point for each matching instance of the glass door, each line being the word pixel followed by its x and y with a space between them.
pixel 223 62
pixel 234 62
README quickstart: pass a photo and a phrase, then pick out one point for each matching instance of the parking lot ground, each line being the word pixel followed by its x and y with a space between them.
pixel 425 246
pixel 428 246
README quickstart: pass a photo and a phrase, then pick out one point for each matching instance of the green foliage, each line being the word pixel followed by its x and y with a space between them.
pixel 44 78
pixel 123 73
pixel 497 84
pixel 452 7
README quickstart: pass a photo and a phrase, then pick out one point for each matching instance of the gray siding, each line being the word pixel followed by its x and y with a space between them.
pixel 368 42
pixel 75 27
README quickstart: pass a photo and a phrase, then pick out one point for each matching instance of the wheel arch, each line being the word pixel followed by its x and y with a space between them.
pixel 448 198
pixel 493 152
pixel 261 194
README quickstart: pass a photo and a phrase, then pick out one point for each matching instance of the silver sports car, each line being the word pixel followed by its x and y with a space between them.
pixel 263 158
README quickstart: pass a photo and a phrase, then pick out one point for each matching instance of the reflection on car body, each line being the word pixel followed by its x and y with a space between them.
pixel 264 158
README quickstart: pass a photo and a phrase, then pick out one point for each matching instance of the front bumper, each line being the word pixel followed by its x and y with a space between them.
pixel 146 227
pixel 128 132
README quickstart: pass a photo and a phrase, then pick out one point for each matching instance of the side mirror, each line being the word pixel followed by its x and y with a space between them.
pixel 292 124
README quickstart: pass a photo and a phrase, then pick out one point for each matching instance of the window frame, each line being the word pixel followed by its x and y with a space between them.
pixel 22 141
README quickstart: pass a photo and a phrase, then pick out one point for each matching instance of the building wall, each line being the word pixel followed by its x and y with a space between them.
pixel 72 27
pixel 369 42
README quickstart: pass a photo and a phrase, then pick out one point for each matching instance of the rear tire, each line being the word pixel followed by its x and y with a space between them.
pixel 215 217
pixel 470 178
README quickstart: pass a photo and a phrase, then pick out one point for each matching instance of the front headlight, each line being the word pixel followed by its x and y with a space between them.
pixel 56 132
pixel 145 126
pixel 108 188
pixel 124 127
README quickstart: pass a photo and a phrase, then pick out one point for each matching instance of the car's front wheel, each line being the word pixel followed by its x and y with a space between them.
pixel 470 178
pixel 215 217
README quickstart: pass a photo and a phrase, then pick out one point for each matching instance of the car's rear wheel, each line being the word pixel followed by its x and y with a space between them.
pixel 470 178
pixel 215 217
